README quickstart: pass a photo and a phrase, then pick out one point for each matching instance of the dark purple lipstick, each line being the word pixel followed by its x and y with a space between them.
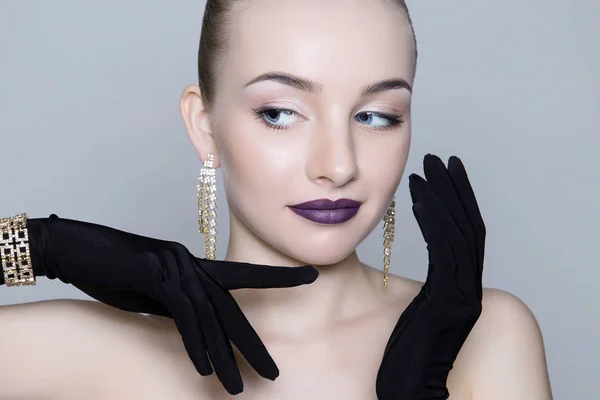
pixel 325 211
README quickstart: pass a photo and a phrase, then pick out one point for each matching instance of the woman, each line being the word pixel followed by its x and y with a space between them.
pixel 282 141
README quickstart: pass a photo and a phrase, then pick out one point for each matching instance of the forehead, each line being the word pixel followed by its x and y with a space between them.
pixel 330 41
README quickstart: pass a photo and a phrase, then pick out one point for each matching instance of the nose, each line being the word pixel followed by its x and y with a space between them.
pixel 332 156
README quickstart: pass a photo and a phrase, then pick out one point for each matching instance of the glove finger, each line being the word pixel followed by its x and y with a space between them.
pixel 440 180
pixel 125 300
pixel 176 300
pixel 460 178
pixel 429 197
pixel 239 330
pixel 217 344
pixel 414 192
pixel 466 268
pixel 461 181
pixel 236 275
pixel 441 273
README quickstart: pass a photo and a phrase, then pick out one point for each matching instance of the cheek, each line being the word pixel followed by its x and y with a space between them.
pixel 256 165
pixel 382 162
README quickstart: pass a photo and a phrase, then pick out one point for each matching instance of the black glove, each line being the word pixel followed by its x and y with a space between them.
pixel 142 274
pixel 431 331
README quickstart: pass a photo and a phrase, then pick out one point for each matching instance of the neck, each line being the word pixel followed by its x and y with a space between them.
pixel 343 291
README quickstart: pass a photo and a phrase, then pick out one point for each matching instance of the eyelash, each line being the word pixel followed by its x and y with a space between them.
pixel 395 121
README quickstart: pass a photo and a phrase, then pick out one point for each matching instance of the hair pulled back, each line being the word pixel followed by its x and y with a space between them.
pixel 216 21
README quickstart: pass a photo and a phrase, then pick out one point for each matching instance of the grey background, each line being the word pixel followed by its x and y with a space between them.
pixel 90 130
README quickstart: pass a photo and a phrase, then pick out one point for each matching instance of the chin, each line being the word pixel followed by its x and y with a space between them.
pixel 321 253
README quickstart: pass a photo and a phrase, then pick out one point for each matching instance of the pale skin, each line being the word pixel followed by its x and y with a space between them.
pixel 328 337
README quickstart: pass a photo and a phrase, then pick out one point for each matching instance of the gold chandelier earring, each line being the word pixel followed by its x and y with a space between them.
pixel 207 214
pixel 388 238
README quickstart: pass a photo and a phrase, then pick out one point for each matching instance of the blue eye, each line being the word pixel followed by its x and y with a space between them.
pixel 271 118
pixel 393 121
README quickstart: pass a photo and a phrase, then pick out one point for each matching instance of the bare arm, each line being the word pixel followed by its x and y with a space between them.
pixel 508 356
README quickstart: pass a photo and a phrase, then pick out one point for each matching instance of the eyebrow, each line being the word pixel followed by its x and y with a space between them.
pixel 313 87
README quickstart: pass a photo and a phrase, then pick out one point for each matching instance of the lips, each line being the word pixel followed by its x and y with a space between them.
pixel 325 211
pixel 326 204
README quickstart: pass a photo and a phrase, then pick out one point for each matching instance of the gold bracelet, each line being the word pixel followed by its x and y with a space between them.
pixel 14 249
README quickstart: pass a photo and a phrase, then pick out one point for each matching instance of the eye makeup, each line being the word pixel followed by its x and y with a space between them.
pixel 394 121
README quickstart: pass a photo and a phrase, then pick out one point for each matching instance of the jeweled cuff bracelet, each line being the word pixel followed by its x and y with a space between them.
pixel 14 248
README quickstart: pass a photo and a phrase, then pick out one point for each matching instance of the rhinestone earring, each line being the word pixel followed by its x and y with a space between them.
pixel 388 238
pixel 207 206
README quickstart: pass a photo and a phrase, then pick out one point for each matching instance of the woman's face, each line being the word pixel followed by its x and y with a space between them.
pixel 280 144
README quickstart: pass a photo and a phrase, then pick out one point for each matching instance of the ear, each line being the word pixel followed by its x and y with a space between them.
pixel 196 117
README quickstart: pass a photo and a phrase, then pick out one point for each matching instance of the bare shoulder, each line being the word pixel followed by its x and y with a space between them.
pixel 68 324
pixel 74 342
pixel 503 357
pixel 101 326
pixel 505 319
pixel 50 319
pixel 504 353
pixel 49 336
pixel 71 316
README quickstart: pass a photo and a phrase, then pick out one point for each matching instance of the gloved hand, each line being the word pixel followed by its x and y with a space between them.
pixel 142 274
pixel 431 331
